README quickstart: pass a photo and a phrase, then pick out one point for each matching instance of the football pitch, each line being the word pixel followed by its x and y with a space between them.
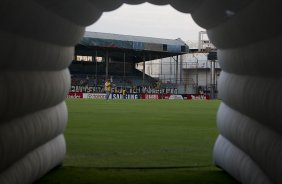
pixel 139 141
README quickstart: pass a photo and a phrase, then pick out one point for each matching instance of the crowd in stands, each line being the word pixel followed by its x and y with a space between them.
pixel 132 84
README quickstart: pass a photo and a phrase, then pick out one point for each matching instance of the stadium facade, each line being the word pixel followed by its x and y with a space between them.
pixel 123 59
pixel 141 65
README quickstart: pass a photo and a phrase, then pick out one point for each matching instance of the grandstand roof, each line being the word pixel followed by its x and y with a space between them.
pixel 135 48
pixel 143 39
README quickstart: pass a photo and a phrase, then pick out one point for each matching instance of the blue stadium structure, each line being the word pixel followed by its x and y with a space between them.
pixel 99 56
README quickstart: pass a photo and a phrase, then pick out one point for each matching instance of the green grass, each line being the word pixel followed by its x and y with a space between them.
pixel 139 141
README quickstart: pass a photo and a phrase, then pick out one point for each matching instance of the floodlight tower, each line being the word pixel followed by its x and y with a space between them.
pixel 200 41
pixel 204 44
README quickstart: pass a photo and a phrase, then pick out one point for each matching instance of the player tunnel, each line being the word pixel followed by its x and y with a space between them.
pixel 37 40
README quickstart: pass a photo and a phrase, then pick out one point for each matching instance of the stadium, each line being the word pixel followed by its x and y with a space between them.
pixel 125 59
pixel 183 119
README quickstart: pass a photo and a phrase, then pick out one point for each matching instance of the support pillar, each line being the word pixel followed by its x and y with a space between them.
pixel 176 70
pixel 143 81
pixel 107 65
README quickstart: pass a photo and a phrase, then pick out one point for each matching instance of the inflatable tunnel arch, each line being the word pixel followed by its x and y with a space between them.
pixel 37 40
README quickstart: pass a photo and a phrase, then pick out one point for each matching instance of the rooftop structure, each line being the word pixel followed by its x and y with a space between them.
pixel 129 48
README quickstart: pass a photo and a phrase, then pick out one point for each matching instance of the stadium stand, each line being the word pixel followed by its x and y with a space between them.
pixel 118 56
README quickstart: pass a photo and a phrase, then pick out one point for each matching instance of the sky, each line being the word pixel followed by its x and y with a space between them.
pixel 148 20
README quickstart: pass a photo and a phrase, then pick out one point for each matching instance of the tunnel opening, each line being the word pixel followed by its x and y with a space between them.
pixel 248 119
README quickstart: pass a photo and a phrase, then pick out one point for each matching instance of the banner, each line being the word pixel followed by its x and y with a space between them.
pixel 138 96
pixel 164 96
pixel 87 89
pixel 198 97
pixel 127 96
pixel 112 96
pixel 74 95
pixel 176 97
pixel 149 96
pixel 94 95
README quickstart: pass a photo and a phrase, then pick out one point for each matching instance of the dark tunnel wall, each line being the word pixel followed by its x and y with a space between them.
pixel 37 40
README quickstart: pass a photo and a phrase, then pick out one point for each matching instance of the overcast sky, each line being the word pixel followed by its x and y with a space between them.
pixel 148 20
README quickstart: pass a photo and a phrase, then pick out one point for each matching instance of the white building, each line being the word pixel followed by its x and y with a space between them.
pixel 192 70
pixel 189 72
